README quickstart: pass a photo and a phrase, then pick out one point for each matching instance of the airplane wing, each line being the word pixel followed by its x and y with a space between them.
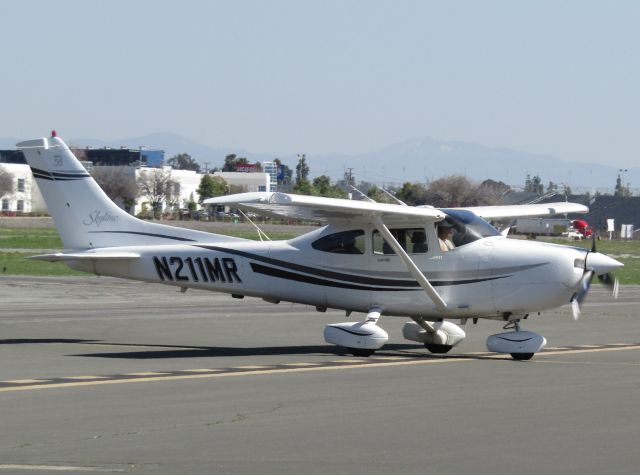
pixel 517 211
pixel 86 256
pixel 317 208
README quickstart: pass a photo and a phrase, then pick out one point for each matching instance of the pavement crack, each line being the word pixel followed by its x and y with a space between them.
pixel 239 417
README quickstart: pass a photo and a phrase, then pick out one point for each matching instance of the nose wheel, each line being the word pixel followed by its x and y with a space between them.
pixel 361 352
pixel 522 356
pixel 518 356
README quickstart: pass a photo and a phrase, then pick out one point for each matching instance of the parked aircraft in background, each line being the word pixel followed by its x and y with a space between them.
pixel 374 258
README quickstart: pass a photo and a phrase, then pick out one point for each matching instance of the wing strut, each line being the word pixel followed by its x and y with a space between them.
pixel 411 266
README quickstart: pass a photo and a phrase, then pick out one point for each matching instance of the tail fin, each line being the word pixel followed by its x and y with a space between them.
pixel 83 214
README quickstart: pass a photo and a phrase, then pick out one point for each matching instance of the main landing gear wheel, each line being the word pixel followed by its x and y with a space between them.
pixel 364 352
pixel 437 349
pixel 522 356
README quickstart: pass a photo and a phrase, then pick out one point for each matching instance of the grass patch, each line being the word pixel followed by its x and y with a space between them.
pixel 48 238
pixel 630 273
pixel 612 248
pixel 16 263
pixel 29 238
pixel 627 252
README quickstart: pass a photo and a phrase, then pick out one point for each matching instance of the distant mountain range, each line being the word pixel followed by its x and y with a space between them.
pixel 415 160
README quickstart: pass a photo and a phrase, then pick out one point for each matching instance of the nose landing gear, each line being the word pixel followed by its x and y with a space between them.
pixel 520 344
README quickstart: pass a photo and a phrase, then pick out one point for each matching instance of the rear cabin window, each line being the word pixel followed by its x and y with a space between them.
pixel 413 241
pixel 346 242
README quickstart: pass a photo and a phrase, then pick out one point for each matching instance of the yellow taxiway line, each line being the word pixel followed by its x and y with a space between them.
pixel 192 374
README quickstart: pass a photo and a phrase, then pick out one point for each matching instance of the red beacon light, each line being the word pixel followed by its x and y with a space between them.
pixel 54 133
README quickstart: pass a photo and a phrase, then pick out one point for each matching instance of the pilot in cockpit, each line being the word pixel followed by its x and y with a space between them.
pixel 445 233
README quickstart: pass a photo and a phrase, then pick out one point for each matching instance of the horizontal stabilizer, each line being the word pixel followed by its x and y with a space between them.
pixel 86 256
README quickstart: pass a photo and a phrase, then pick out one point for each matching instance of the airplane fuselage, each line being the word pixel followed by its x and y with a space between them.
pixel 476 280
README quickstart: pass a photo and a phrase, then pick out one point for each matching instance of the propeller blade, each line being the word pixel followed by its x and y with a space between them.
pixel 584 286
pixel 580 295
pixel 575 308
pixel 611 282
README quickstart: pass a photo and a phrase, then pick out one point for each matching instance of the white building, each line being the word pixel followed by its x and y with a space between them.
pixel 188 182
pixel 246 182
pixel 26 197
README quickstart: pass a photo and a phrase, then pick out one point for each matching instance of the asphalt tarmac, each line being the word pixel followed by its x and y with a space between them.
pixel 112 376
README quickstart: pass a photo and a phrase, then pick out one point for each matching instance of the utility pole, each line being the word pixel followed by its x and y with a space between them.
pixel 206 168
pixel 349 177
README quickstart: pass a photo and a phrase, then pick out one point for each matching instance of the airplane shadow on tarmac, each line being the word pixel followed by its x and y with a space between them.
pixel 175 351
pixel 169 351
pixel 160 352
pixel 31 341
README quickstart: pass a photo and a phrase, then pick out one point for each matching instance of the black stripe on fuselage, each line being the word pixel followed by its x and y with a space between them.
pixel 308 279
pixel 348 281
pixel 294 276
pixel 164 236
pixel 360 279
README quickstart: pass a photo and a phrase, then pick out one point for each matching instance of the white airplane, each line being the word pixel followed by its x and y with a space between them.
pixel 374 258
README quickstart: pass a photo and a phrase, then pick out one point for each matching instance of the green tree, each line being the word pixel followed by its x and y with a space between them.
pixel 537 186
pixel 620 190
pixel 211 186
pixel 183 161
pixel 322 187
pixel 528 184
pixel 7 184
pixel 412 194
pixel 376 194
pixel 303 188
pixel 302 169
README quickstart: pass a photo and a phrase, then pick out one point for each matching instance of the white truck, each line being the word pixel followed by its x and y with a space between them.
pixel 542 226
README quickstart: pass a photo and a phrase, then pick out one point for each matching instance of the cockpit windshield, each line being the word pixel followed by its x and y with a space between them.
pixel 468 226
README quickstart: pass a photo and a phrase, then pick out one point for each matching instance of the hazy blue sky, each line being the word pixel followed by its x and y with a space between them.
pixel 556 77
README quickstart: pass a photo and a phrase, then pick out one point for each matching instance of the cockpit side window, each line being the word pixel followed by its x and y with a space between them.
pixel 413 241
pixel 345 242
pixel 466 226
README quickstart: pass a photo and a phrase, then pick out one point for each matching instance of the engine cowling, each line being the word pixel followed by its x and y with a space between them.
pixel 516 342
pixel 447 333
pixel 356 335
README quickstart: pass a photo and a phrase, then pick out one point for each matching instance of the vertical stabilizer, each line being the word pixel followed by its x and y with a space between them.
pixel 83 214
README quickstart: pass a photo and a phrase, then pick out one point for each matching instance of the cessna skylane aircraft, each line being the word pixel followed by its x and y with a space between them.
pixel 373 258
